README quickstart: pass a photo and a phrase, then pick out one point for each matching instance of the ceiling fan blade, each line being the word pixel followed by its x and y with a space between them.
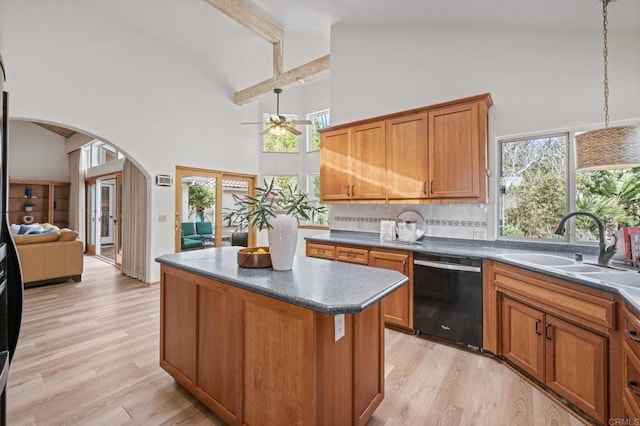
pixel 292 130
pixel 305 122
pixel 265 131
pixel 253 122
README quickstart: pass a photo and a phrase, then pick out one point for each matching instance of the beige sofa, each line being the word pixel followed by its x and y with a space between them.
pixel 51 256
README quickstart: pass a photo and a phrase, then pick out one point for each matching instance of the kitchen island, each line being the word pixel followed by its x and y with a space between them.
pixel 259 346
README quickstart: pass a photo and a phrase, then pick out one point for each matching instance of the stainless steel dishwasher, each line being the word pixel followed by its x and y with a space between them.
pixel 448 298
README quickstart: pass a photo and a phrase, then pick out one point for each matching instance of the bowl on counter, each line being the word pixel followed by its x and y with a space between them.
pixel 254 257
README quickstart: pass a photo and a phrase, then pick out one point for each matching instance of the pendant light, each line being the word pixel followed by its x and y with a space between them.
pixel 611 147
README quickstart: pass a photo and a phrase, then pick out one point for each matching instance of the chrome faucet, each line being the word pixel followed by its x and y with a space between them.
pixel 606 253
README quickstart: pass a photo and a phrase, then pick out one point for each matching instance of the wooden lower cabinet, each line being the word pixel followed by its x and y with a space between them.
pixel 398 306
pixel 576 365
pixel 254 360
pixel 522 339
pixel 631 364
pixel 553 331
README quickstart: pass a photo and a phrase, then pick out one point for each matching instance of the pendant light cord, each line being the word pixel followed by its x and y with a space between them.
pixel 605 53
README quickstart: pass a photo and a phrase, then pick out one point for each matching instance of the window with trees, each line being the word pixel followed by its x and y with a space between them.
pixel 283 141
pixel 536 191
pixel 319 120
pixel 313 189
pixel 283 181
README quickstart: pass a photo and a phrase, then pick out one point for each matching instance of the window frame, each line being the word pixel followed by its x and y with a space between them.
pixel 310 127
pixel 570 180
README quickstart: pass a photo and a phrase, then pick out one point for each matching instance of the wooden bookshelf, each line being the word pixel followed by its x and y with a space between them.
pixel 50 201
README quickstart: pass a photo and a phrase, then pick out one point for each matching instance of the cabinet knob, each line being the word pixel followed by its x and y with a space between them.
pixel 348 195
pixel 538 330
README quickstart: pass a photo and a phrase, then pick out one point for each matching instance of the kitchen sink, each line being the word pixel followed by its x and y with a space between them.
pixel 539 259
pixel 631 279
pixel 582 268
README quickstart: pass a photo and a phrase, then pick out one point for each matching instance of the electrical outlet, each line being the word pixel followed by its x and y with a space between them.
pixel 479 234
pixel 338 322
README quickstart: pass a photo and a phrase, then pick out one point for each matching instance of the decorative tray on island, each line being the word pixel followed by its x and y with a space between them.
pixel 254 257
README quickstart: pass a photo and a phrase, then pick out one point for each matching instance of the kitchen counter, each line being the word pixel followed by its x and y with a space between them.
pixel 330 288
pixel 496 250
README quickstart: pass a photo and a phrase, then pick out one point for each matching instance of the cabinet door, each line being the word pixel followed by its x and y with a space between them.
pixel 406 151
pixel 178 323
pixel 576 365
pixel 457 152
pixel 522 336
pixel 335 152
pixel 219 351
pixel 398 306
pixel 368 162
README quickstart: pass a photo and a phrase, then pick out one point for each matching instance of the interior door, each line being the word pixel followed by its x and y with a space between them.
pixel 107 211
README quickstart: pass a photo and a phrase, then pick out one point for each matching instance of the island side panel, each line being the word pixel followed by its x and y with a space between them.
pixel 368 332
pixel 335 371
pixel 219 361
pixel 279 363
pixel 178 326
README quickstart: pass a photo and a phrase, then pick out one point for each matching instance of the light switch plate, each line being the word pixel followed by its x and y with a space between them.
pixel 338 322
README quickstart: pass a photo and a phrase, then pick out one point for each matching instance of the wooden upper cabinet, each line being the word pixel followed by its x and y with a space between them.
pixel 435 154
pixel 368 162
pixel 335 155
pixel 457 153
pixel 406 152
pixel 352 163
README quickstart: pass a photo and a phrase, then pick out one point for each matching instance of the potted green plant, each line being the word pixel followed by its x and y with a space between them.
pixel 278 210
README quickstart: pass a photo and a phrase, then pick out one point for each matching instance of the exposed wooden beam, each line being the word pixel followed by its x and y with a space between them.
pixel 306 72
pixel 245 15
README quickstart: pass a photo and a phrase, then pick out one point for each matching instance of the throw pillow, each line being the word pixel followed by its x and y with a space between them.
pixel 67 234
pixel 15 229
pixel 41 231
pixel 24 229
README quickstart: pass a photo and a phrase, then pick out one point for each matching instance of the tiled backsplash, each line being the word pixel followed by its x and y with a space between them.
pixel 466 221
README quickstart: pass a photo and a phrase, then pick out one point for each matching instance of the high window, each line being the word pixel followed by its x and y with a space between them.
pixel 97 153
pixel 319 120
pixel 538 185
pixel 280 141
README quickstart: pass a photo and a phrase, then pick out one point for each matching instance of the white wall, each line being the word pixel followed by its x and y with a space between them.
pixel 159 104
pixel 36 153
pixel 540 80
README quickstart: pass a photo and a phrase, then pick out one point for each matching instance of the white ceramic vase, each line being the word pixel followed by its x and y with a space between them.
pixel 283 238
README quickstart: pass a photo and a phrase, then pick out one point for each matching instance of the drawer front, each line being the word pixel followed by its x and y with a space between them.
pixel 323 251
pixel 631 329
pixel 352 255
pixel 631 377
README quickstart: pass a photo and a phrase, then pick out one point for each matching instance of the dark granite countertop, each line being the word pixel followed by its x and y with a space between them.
pixel 328 287
pixel 499 251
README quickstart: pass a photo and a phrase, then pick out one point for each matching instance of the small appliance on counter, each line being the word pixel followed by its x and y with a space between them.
pixel 410 226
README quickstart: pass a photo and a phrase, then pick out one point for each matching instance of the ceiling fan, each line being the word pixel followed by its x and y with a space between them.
pixel 279 124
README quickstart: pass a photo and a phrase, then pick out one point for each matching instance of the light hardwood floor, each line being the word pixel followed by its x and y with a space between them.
pixel 88 355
